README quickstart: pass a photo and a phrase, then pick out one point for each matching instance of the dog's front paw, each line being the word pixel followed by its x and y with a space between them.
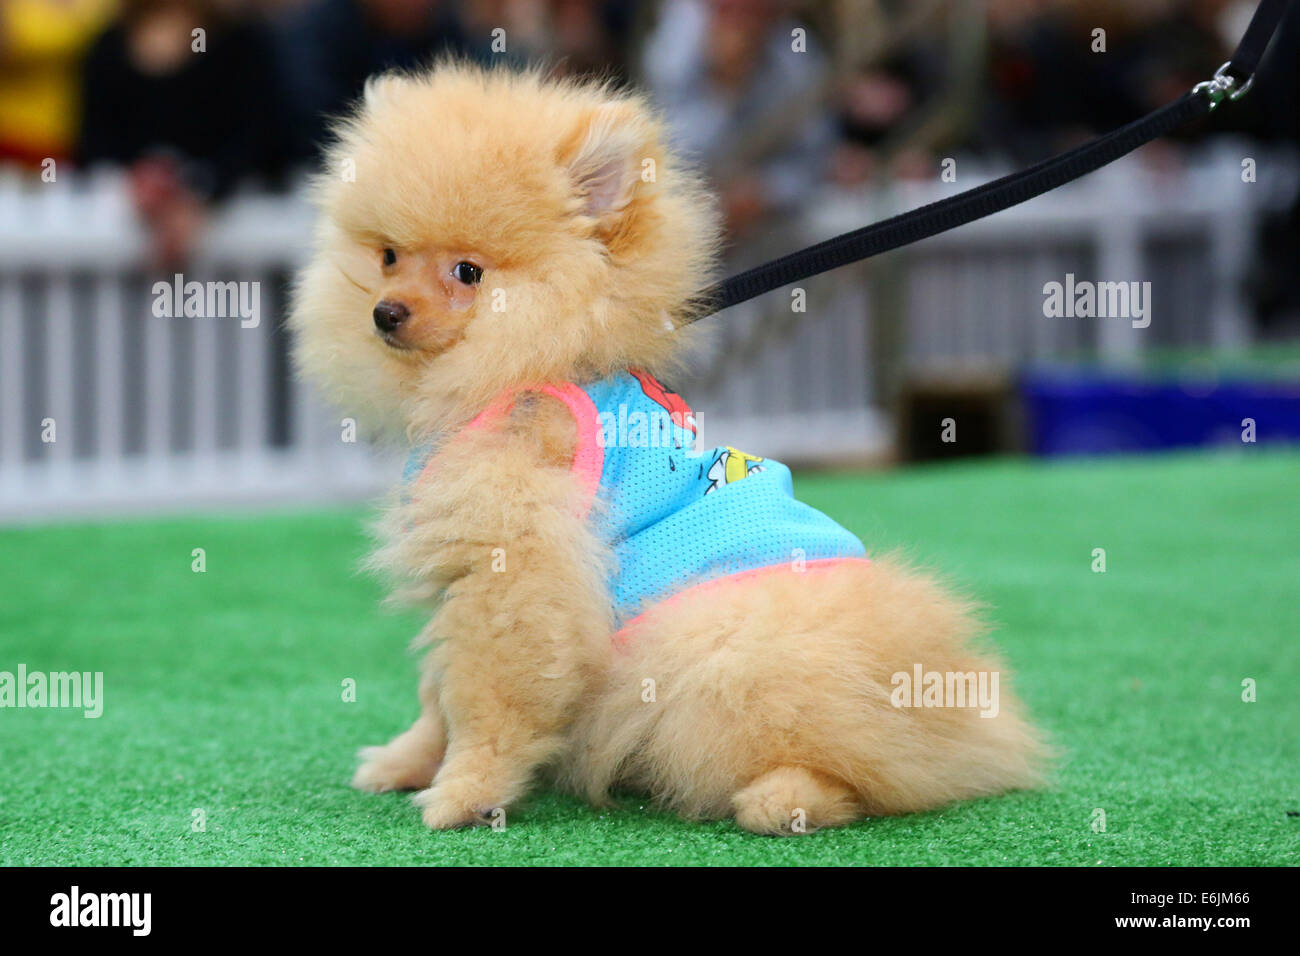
pixel 443 809
pixel 393 768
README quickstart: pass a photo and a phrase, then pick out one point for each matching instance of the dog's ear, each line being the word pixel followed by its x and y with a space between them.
pixel 605 158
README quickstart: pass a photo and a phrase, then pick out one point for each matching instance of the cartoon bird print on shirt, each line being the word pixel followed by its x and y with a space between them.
pixel 731 465
pixel 671 402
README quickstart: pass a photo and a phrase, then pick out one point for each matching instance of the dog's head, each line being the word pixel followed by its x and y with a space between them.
pixel 483 229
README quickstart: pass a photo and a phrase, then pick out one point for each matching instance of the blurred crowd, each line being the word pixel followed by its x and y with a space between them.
pixel 775 98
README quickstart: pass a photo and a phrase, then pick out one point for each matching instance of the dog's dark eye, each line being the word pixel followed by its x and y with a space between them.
pixel 467 273
pixel 390 257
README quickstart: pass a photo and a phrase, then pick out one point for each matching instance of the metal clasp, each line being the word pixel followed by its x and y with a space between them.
pixel 1223 85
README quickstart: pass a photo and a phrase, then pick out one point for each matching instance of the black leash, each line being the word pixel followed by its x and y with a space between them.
pixel 1231 82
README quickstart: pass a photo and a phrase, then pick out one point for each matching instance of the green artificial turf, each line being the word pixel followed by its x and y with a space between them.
pixel 223 690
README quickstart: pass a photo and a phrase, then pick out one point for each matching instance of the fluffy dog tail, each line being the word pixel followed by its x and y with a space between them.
pixel 797 701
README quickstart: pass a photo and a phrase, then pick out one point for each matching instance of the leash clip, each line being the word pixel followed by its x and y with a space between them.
pixel 1222 85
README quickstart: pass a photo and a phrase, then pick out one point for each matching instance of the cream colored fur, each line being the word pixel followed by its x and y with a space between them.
pixel 770 699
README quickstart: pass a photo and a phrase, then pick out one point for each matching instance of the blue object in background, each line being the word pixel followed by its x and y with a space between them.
pixel 1091 413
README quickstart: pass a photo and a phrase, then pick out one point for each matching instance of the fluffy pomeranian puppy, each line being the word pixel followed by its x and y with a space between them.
pixel 503 271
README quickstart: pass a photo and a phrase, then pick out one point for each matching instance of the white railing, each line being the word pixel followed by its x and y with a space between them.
pixel 149 412
pixel 972 299
pixel 152 413
pixel 976 294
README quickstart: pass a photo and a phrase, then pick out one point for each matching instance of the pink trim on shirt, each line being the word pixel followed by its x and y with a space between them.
pixel 588 458
pixel 632 628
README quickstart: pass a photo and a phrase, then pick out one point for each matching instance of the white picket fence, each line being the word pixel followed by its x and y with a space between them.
pixel 152 413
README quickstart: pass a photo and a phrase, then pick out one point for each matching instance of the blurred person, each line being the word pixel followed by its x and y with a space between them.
pixel 1050 90
pixel 1182 44
pixel 875 103
pixel 743 102
pixel 1271 113
pixel 41 46
pixel 909 75
pixel 572 37
pixel 591 37
pixel 187 114
pixel 524 22
pixel 329 47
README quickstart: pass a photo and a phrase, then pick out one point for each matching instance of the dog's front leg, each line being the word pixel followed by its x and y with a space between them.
pixel 523 630
pixel 512 669
pixel 410 760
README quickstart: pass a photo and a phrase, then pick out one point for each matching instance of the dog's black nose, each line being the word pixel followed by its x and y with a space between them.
pixel 389 315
